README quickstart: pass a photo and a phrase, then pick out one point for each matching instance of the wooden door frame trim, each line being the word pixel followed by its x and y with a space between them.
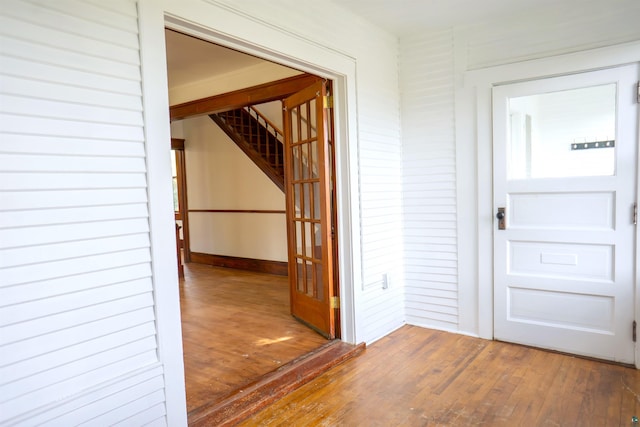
pixel 177 144
pixel 266 92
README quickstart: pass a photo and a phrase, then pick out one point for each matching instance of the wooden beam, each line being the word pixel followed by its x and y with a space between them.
pixel 177 144
pixel 243 97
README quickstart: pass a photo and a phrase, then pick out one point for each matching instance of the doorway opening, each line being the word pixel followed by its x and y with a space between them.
pixel 227 309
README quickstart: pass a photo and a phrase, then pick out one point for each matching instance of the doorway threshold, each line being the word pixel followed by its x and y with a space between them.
pixel 245 401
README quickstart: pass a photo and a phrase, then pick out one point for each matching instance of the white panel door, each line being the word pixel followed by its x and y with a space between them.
pixel 565 153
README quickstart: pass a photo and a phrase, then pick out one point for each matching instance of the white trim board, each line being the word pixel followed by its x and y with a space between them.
pixel 474 170
pixel 161 217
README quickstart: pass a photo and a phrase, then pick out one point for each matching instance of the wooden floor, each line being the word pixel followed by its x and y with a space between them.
pixel 236 327
pixel 421 377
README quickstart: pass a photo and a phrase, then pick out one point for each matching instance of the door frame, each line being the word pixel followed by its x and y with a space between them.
pixel 183 205
pixel 474 152
pixel 341 69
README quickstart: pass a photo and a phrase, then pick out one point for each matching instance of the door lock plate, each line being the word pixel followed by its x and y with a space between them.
pixel 502 219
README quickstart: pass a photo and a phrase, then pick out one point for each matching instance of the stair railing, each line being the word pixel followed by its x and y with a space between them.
pixel 268 127
pixel 313 167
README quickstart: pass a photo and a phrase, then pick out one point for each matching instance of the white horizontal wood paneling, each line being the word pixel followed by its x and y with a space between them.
pixel 380 182
pixel 77 321
pixel 13 143
pixel 80 198
pixel 65 284
pixel 68 250
pixel 45 181
pixel 124 102
pixel 101 326
pixel 51 234
pixel 102 399
pixel 429 180
pixel 66 215
pixel 31 68
pixel 18 105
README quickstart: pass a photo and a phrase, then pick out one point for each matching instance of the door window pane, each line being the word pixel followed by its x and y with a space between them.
pixel 300 276
pixel 563 134
pixel 174 176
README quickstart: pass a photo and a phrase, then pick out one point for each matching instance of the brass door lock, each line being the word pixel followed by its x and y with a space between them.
pixel 502 219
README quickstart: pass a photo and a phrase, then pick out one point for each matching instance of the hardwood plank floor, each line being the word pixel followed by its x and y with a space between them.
pixel 422 377
pixel 236 327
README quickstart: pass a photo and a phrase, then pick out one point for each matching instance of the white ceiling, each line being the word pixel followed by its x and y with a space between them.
pixel 402 17
pixel 190 59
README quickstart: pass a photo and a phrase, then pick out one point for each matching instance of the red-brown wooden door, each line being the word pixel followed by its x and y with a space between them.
pixel 308 198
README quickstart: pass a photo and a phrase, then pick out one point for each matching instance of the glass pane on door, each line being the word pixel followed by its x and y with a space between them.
pixel 560 134
pixel 306 195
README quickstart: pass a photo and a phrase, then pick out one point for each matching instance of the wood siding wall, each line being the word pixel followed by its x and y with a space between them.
pixel 77 323
pixel 432 67
pixel 429 173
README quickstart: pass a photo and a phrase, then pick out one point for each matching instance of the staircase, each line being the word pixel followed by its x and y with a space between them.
pixel 257 137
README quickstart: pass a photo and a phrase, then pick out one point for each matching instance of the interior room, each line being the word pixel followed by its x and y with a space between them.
pixel 456 212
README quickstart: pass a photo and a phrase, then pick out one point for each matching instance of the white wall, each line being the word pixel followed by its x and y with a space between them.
pixel 440 200
pixel 221 177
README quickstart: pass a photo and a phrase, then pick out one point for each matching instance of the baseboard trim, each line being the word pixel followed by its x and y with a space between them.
pixel 250 264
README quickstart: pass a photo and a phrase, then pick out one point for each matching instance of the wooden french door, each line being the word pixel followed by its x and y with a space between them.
pixel 308 196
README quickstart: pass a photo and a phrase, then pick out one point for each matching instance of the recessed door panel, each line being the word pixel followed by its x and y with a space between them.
pixel 591 262
pixel 566 210
pixel 584 313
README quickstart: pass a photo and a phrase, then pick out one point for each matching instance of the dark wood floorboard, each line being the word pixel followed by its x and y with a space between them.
pixel 236 327
pixel 422 377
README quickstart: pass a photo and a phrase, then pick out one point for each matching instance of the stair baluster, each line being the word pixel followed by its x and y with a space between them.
pixel 258 137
